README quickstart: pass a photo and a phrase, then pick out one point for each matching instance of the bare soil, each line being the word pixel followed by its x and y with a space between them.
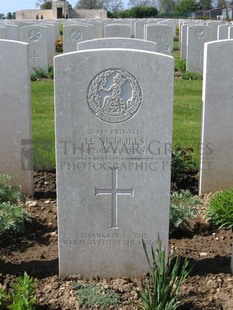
pixel 209 286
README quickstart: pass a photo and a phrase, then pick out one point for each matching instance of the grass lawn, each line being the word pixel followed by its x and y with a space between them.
pixel 186 120
pixel 43 132
pixel 187 114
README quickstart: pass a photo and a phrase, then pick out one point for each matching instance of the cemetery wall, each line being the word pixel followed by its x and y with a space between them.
pixel 31 14
pixel 48 14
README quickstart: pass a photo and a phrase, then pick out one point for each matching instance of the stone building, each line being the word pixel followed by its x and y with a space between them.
pixel 60 9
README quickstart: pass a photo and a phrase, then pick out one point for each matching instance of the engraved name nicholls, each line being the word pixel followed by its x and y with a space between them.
pixel 114 95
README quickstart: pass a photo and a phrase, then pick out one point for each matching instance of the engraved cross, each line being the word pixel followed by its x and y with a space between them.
pixel 200 59
pixel 34 58
pixel 114 192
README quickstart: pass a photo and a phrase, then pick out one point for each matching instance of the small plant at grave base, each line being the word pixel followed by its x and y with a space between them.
pixel 181 65
pixel 220 209
pixel 50 72
pixel 9 193
pixel 23 293
pixel 12 216
pixel 38 74
pixel 160 291
pixel 191 76
pixel 182 164
pixel 4 297
pixel 12 219
pixel 61 29
pixel 59 45
pixel 91 295
pixel 182 210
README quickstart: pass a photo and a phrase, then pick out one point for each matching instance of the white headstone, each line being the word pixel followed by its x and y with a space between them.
pixel 216 169
pixel 196 37
pixel 117 30
pixel 230 32
pixel 12 32
pixel 222 33
pixel 113 135
pixel 37 38
pixel 139 29
pixel 72 34
pixel 2 32
pixel 171 23
pixel 15 114
pixel 51 32
pixel 162 35
pixel 183 40
pixel 118 43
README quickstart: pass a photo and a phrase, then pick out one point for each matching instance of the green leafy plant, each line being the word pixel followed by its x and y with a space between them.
pixel 191 76
pixel 166 276
pixel 23 293
pixel 9 193
pixel 91 295
pixel 182 210
pixel 12 218
pixel 181 65
pixel 50 72
pixel 220 209
pixel 4 297
pixel 182 164
pixel 38 74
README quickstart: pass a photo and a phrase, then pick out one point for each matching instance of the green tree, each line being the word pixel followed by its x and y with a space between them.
pixel 2 15
pixel 185 7
pixel 143 12
pixel 44 4
pixel 141 3
pixel 166 6
pixel 113 5
pixel 221 4
pixel 9 15
pixel 204 5
pixel 89 4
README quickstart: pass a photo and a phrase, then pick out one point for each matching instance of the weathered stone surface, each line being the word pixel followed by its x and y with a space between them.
pixel 15 114
pixel 216 170
pixel 113 140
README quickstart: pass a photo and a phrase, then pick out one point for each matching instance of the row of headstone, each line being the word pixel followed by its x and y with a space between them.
pixel 110 167
pixel 193 36
pixel 75 31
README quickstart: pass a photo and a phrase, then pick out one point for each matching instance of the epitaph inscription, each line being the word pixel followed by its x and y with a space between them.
pixel 34 35
pixel 114 95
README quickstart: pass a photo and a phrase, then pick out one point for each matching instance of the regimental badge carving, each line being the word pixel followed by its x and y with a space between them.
pixel 34 35
pixel 114 95
pixel 200 34
pixel 75 35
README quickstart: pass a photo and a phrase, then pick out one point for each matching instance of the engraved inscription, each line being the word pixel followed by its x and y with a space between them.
pixel 34 59
pixel 199 59
pixel 114 192
pixel 75 35
pixel 34 35
pixel 114 95
pixel 200 34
